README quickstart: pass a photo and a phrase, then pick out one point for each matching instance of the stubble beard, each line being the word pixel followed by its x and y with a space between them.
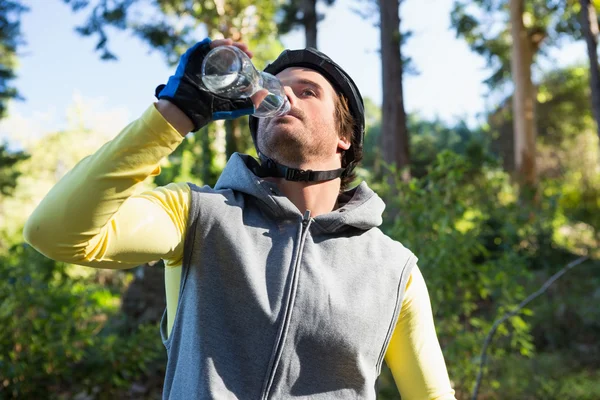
pixel 293 147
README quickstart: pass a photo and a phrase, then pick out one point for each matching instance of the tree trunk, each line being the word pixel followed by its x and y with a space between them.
pixel 309 9
pixel 589 25
pixel 209 175
pixel 233 137
pixel 523 98
pixel 394 133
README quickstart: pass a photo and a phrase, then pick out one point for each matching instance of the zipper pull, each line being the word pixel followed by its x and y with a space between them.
pixel 306 218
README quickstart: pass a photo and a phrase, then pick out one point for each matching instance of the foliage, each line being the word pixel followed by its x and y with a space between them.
pixel 563 114
pixel 56 336
pixel 172 26
pixel 60 331
pixel 49 158
pixel 291 15
pixel 8 171
pixel 192 161
pixel 563 105
pixel 482 251
pixel 577 179
pixel 202 156
pixel 551 376
pixel 427 140
pixel 386 387
pixel 369 11
pixel 567 322
pixel 484 24
pixel 10 40
pixel 476 246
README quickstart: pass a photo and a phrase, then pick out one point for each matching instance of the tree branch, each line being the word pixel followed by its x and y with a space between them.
pixel 506 316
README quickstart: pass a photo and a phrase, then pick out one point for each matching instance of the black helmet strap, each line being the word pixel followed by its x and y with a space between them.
pixel 270 168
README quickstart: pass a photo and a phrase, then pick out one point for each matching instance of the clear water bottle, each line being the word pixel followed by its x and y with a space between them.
pixel 228 71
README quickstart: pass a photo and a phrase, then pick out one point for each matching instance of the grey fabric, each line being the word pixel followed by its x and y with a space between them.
pixel 273 305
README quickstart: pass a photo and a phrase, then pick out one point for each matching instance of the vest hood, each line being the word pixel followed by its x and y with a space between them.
pixel 359 207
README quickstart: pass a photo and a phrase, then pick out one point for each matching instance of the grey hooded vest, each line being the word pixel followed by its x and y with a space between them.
pixel 277 305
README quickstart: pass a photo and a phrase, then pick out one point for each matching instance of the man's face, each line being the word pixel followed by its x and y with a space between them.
pixel 308 133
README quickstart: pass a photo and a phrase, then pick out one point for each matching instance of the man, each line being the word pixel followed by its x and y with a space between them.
pixel 278 284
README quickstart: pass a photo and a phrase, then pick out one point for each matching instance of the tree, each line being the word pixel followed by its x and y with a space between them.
pixel 8 172
pixel 174 27
pixel 524 97
pixel 10 163
pixel 302 13
pixel 10 40
pixel 563 113
pixel 428 138
pixel 395 142
pixel 488 25
pixel 589 27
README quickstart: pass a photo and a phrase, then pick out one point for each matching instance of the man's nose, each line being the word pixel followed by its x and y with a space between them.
pixel 290 95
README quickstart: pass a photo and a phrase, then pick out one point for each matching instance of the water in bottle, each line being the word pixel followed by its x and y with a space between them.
pixel 228 71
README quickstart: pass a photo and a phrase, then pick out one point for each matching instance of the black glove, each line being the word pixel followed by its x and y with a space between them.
pixel 186 90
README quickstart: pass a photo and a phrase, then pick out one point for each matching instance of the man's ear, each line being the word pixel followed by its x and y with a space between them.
pixel 344 144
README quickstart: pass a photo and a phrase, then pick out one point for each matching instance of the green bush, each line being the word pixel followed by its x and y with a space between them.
pixel 56 338
pixel 477 245
pixel 427 139
pixel 548 376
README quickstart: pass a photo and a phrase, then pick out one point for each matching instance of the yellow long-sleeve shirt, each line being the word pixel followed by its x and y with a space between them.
pixel 94 217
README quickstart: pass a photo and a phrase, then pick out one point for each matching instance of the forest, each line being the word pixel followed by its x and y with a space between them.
pixel 504 216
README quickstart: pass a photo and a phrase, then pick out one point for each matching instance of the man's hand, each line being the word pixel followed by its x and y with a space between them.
pixel 187 92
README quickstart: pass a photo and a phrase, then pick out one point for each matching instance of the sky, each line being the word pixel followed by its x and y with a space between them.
pixel 65 84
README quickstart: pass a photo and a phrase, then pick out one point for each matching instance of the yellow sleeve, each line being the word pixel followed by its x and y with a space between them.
pixel 93 217
pixel 414 355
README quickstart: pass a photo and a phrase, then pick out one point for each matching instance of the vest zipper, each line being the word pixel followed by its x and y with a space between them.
pixel 287 313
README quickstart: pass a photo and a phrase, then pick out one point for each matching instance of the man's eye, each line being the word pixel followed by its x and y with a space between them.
pixel 309 92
